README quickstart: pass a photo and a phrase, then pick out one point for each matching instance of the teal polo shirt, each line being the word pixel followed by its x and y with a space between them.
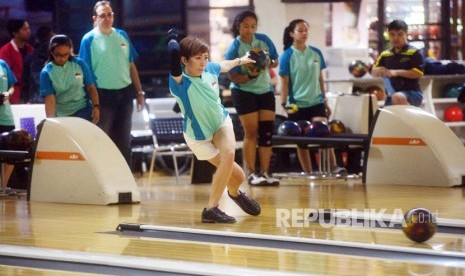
pixel 109 57
pixel 7 80
pixel 261 84
pixel 68 83
pixel 199 100
pixel 303 69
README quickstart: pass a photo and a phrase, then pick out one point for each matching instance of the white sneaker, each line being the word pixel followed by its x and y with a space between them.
pixel 255 179
pixel 339 171
pixel 271 181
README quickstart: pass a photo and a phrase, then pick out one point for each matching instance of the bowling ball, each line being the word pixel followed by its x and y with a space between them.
pixel 420 225
pixel 19 139
pixel 3 141
pixel 377 91
pixel 289 128
pixel 336 127
pixel 261 61
pixel 356 90
pixel 304 126
pixel 318 129
pixel 453 113
pixel 358 68
pixel 452 90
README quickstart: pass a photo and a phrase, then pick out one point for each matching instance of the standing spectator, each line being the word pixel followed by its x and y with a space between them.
pixel 14 52
pixel 34 64
pixel 7 81
pixel 253 97
pixel 302 84
pixel 110 54
pixel 66 83
pixel 401 67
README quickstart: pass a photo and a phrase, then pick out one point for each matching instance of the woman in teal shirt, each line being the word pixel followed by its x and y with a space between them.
pixel 7 81
pixel 66 83
pixel 301 70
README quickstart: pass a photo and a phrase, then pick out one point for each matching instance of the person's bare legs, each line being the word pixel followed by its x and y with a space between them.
pixel 264 153
pixel 249 148
pixel 398 98
pixel 304 159
pixel 225 141
pixel 7 170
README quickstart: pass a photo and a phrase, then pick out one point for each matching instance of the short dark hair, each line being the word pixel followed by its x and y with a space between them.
pixel 100 3
pixel 191 46
pixel 398 25
pixel 14 25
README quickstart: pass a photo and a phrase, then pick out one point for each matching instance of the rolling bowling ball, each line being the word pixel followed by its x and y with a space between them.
pixel 319 129
pixel 453 113
pixel 19 139
pixel 377 91
pixel 304 126
pixel 289 128
pixel 420 225
pixel 336 127
pixel 358 68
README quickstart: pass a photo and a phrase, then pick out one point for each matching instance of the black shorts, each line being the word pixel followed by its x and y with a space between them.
pixel 6 128
pixel 247 102
pixel 308 113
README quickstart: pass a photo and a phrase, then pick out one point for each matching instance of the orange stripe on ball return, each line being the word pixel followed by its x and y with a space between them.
pixel 390 141
pixel 55 155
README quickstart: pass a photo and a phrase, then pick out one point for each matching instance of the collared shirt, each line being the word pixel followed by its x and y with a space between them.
pixel 7 79
pixel 303 69
pixel 68 84
pixel 238 48
pixel 10 54
pixel 199 100
pixel 409 58
pixel 109 57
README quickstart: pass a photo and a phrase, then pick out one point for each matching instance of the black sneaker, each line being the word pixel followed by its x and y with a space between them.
pixel 271 181
pixel 215 215
pixel 248 205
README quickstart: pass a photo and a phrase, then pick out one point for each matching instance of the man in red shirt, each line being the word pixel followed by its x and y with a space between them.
pixel 15 51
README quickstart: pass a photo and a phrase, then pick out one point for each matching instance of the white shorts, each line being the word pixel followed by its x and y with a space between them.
pixel 204 149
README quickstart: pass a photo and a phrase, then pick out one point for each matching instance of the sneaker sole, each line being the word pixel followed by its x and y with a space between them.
pixel 214 221
pixel 265 184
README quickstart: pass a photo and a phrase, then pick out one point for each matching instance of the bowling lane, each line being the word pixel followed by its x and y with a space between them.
pixel 83 228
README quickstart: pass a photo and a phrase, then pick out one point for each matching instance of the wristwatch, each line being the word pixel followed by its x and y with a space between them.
pixel 141 93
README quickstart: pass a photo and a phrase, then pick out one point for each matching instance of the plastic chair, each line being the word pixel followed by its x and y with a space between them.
pixel 168 140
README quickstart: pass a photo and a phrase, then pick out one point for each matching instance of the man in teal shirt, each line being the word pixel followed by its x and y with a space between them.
pixel 110 55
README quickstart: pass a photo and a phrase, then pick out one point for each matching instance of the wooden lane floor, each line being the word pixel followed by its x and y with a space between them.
pixel 86 228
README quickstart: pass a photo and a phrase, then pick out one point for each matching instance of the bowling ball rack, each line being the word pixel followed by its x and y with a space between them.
pixel 325 143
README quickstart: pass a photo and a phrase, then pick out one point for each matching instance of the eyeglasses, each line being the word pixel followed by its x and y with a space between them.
pixel 105 15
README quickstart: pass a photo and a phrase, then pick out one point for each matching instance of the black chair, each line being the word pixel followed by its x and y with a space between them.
pixel 168 140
